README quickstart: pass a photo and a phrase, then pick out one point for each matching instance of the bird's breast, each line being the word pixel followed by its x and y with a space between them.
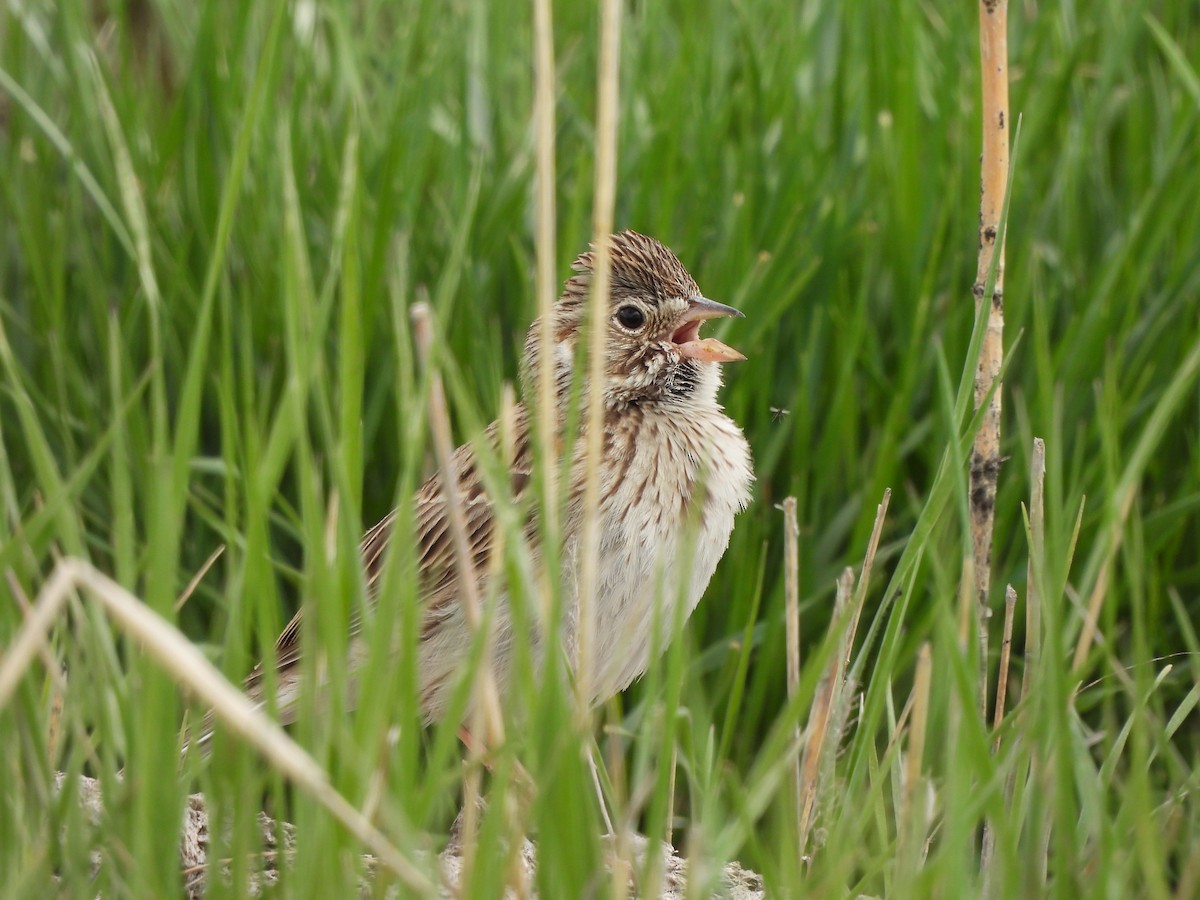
pixel 671 485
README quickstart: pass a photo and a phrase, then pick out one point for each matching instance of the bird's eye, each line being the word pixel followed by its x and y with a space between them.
pixel 630 317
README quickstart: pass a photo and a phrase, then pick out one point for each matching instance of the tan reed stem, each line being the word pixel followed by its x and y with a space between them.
pixel 985 458
pixel 1010 607
pixel 1041 763
pixel 822 713
pixel 545 283
pixel 791 575
pixel 1037 531
pixel 916 751
pixel 602 226
pixel 194 583
pixel 864 580
pixel 486 697
pixel 987 854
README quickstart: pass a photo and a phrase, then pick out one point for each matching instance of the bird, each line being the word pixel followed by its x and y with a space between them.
pixel 675 470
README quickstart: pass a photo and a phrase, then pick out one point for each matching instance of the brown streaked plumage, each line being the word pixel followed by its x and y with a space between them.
pixel 675 470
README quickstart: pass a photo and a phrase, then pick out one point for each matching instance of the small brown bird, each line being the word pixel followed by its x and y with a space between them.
pixel 674 472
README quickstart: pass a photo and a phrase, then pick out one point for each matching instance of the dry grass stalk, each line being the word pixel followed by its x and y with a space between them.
pixel 508 453
pixel 989 834
pixel 443 446
pixel 471 812
pixel 593 759
pixel 860 594
pixel 546 278
pixel 198 577
pixel 674 764
pixel 54 671
pixel 822 714
pixel 487 721
pixel 791 587
pixel 480 723
pixel 164 643
pixel 1010 607
pixel 985 458
pixel 966 603
pixel 602 226
pixel 845 684
pixel 1037 549
pixel 1091 618
pixel 1040 766
pixel 910 829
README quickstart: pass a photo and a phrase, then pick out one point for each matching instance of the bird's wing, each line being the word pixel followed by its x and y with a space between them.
pixel 439 575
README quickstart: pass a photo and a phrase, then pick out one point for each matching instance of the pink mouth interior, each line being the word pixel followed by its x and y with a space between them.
pixel 687 332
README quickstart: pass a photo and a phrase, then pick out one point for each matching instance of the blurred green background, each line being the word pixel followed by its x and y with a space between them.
pixel 203 206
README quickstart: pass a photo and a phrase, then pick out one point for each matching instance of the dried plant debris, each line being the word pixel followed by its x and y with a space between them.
pixel 279 839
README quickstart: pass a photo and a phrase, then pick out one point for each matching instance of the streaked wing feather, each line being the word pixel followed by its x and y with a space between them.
pixel 431 531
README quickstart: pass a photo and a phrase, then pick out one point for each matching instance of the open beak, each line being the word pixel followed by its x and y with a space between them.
pixel 686 336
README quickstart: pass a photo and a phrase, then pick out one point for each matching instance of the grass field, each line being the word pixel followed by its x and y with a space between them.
pixel 213 220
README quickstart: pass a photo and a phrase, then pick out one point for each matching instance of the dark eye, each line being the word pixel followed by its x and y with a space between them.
pixel 630 317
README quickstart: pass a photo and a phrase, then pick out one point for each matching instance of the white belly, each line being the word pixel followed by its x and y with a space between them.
pixel 664 528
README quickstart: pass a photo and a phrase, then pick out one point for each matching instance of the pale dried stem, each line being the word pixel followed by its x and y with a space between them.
pixel 443 446
pixel 483 721
pixel 791 586
pixel 545 284
pixel 331 520
pixel 378 781
pixel 843 609
pixel 192 670
pixel 443 450
pixel 1040 766
pixel 860 593
pixel 53 669
pixel 58 678
pixel 966 603
pixel 898 730
pixel 987 854
pixel 472 787
pixel 967 614
pixel 985 458
pixel 1037 549
pixel 670 834
pixel 623 814
pixel 594 768
pixel 508 454
pixel 1010 606
pixel 602 225
pixel 1091 619
pixel 910 829
pixel 198 577
pixel 822 712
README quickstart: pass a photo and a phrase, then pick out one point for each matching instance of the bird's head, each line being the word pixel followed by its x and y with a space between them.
pixel 652 350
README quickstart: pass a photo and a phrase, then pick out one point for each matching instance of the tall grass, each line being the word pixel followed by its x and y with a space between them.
pixel 213 221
